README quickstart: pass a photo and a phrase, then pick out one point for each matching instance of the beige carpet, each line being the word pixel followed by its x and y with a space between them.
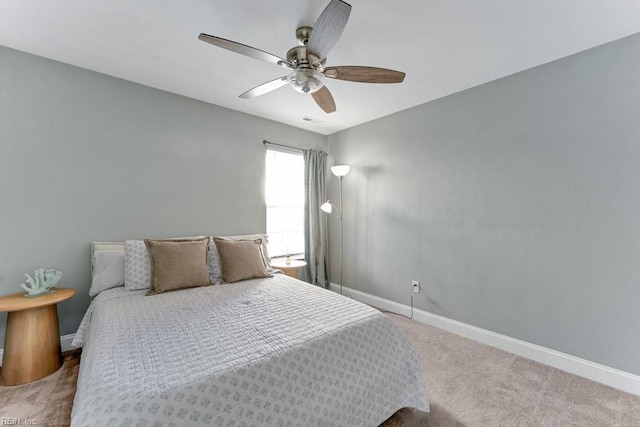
pixel 473 384
pixel 46 402
pixel 469 384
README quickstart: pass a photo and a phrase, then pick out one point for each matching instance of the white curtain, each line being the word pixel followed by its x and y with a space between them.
pixel 316 233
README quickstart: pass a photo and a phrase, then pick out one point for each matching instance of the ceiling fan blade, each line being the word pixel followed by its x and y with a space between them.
pixel 265 88
pixel 328 28
pixel 354 73
pixel 324 99
pixel 245 50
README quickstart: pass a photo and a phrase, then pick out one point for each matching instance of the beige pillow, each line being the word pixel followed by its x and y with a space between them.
pixel 241 260
pixel 177 264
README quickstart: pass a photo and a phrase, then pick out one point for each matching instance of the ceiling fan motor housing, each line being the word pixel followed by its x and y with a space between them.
pixel 300 57
pixel 307 76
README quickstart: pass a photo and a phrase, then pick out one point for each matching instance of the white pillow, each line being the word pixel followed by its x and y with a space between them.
pixel 108 271
pixel 213 258
pixel 137 267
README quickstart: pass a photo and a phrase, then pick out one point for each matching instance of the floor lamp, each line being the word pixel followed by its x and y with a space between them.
pixel 340 171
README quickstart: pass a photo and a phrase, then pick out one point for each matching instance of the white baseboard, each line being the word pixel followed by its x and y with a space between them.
pixel 615 378
pixel 65 344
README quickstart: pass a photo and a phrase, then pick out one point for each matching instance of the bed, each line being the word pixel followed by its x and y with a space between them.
pixel 266 351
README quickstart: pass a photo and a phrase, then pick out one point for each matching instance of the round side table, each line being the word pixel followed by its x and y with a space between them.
pixel 32 340
pixel 292 269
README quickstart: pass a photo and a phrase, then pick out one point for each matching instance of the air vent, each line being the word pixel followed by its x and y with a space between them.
pixel 310 120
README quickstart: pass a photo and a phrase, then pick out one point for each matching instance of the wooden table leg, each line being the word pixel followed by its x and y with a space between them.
pixel 31 345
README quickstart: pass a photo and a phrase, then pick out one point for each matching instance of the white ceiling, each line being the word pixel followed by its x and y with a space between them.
pixel 444 46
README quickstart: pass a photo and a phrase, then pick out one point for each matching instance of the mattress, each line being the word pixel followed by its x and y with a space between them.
pixel 273 351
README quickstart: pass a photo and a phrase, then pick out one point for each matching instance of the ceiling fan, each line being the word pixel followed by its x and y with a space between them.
pixel 307 61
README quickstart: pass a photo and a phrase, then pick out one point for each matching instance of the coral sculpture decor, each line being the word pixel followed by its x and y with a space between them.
pixel 41 283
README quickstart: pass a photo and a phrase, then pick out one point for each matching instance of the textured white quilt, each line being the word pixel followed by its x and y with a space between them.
pixel 272 351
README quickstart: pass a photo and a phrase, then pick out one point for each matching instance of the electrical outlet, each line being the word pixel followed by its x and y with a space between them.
pixel 415 286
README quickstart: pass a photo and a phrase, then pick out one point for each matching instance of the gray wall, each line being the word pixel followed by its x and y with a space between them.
pixel 86 157
pixel 516 204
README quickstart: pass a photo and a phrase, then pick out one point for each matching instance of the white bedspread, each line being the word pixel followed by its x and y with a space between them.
pixel 271 351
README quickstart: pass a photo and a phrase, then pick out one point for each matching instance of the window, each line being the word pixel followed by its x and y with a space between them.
pixel 285 202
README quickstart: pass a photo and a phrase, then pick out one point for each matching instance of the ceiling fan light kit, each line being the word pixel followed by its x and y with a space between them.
pixel 306 80
pixel 307 60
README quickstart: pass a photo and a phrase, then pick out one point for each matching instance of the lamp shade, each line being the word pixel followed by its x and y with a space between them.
pixel 340 170
pixel 326 207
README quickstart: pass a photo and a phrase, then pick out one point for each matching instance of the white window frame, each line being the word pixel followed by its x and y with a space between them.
pixel 285 211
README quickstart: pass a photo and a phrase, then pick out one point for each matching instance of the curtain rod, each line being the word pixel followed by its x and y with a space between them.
pixel 266 143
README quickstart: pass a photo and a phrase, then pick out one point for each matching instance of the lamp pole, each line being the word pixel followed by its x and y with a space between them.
pixel 340 171
pixel 340 215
